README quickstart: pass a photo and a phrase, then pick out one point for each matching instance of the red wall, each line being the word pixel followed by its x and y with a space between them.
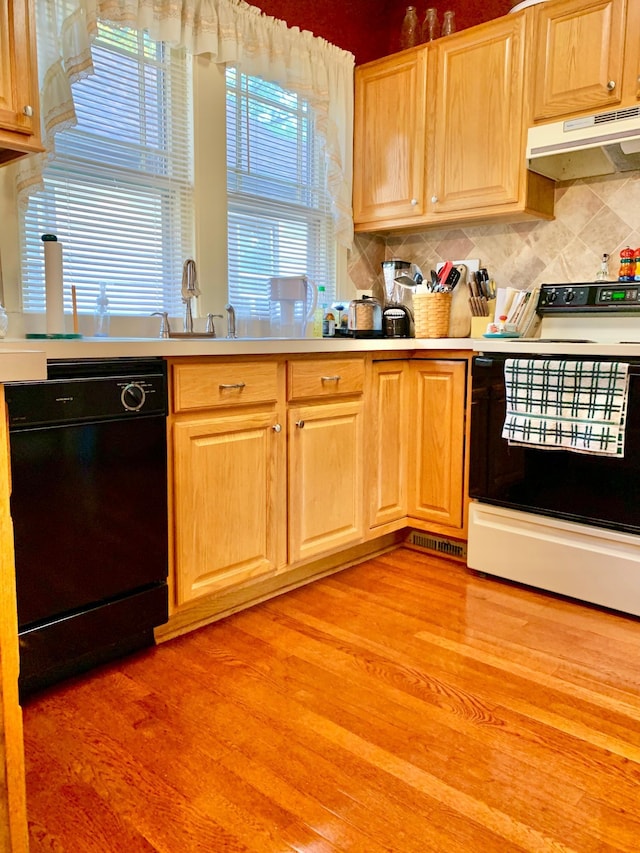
pixel 370 28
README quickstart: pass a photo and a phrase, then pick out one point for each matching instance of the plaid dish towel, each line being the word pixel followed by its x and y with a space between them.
pixel 570 405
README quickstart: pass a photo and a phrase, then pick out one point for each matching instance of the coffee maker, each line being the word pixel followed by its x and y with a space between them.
pixel 399 279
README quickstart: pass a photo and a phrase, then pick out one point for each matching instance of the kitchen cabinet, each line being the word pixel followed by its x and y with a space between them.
pixel 19 122
pixel 631 74
pixel 470 133
pixel 387 437
pixel 228 475
pixel 389 138
pixel 437 462
pixel 578 57
pixel 326 459
pixel 477 163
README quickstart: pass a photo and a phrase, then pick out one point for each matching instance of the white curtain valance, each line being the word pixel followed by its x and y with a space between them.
pixel 234 33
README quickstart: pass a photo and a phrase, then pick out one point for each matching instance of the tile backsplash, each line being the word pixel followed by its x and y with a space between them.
pixel 593 216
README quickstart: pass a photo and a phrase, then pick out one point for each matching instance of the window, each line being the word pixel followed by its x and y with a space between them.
pixel 279 214
pixel 118 194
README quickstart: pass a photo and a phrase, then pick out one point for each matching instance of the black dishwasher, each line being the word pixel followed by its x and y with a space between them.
pixel 89 507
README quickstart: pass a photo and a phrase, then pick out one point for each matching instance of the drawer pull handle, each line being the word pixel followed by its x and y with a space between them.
pixel 330 378
pixel 300 424
pixel 276 428
pixel 234 385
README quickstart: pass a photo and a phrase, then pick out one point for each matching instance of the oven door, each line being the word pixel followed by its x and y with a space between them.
pixel 578 487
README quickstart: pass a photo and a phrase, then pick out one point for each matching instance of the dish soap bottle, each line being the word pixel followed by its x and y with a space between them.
pixel 101 315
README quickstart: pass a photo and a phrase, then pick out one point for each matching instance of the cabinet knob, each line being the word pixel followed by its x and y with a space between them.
pixel 434 199
pixel 300 424
pixel 611 85
pixel 276 428
pixel 28 110
pixel 414 201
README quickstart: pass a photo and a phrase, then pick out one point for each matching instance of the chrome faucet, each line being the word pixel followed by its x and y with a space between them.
pixel 231 321
pixel 165 328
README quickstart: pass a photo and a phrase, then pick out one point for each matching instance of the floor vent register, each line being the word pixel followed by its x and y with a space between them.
pixel 438 544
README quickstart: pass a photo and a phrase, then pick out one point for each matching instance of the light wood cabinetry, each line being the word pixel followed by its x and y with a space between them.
pixel 464 159
pixel 389 138
pixel 228 448
pixel 437 449
pixel 578 57
pixel 19 123
pixel 388 428
pixel 477 164
pixel 326 458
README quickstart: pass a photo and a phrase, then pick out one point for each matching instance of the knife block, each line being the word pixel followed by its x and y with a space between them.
pixel 479 324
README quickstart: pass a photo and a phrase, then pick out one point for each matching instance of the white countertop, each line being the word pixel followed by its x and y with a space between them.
pixel 25 360
pixel 132 347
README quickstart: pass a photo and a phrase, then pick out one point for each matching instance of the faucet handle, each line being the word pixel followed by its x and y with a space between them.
pixel 165 329
pixel 211 326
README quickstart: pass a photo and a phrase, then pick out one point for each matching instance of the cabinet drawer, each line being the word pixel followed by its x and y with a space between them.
pixel 325 378
pixel 231 383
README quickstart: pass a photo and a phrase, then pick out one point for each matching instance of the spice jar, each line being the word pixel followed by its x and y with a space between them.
pixel 627 265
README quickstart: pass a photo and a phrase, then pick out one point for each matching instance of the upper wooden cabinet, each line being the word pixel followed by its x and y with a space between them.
pixel 578 57
pixel 389 137
pixel 19 123
pixel 454 151
pixel 477 160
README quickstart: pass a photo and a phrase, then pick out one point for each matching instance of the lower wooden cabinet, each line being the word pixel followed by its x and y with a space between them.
pixel 229 501
pixel 388 428
pixel 325 477
pixel 278 465
pixel 437 446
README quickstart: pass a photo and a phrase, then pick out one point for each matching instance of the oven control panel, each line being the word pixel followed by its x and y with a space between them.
pixel 589 298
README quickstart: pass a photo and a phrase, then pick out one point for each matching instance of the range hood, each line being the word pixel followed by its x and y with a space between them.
pixel 601 144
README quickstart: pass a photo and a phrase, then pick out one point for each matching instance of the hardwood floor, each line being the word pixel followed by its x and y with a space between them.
pixel 402 705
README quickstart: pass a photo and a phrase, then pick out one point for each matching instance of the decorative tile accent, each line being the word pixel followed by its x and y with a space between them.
pixel 593 216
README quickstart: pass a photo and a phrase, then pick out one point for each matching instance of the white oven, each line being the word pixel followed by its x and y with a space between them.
pixel 559 520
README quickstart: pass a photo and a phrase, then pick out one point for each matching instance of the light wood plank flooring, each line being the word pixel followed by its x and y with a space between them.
pixel 401 705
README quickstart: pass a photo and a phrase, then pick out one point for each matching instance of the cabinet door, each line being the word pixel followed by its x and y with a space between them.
pixel 18 107
pixel 229 501
pixel 325 478
pixel 631 77
pixel 479 135
pixel 578 56
pixel 387 429
pixel 436 456
pixel 389 138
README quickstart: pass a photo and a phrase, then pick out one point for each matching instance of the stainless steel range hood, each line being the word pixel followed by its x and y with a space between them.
pixel 601 144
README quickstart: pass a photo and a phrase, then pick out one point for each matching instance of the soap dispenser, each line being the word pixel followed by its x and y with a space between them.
pixel 101 315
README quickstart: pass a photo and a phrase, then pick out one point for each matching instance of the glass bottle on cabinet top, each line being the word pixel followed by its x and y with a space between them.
pixel 430 25
pixel 448 23
pixel 409 31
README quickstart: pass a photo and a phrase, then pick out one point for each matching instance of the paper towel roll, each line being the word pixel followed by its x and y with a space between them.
pixel 53 282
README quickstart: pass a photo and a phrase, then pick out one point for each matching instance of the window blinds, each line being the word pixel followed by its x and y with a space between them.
pixel 279 215
pixel 118 193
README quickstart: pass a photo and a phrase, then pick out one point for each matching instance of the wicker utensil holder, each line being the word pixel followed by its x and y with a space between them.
pixel 431 314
